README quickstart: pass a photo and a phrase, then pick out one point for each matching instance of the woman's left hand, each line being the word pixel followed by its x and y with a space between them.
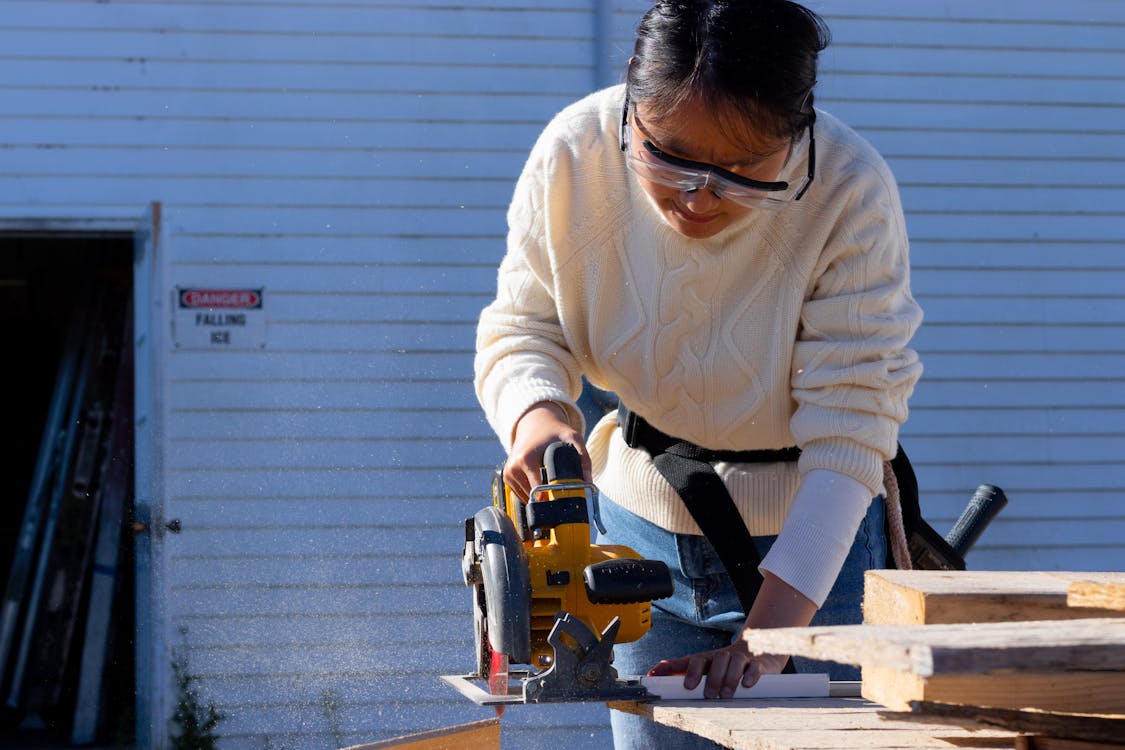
pixel 723 668
pixel 777 605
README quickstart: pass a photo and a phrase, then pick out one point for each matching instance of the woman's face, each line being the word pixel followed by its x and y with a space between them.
pixel 690 132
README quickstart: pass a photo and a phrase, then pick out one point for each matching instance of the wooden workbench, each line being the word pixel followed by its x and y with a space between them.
pixel 813 724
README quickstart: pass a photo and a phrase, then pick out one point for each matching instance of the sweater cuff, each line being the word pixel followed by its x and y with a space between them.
pixel 819 532
pixel 855 460
pixel 514 406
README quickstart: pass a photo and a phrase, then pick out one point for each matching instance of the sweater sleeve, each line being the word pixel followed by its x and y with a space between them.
pixel 852 371
pixel 813 544
pixel 851 376
pixel 522 356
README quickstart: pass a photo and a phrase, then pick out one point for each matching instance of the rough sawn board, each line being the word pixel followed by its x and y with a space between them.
pixel 812 724
pixel 1093 644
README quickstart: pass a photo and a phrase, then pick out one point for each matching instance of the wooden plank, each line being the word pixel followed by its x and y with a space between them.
pixel 478 734
pixel 1078 726
pixel 1053 690
pixel 1072 665
pixel 926 597
pixel 973 648
pixel 1107 596
pixel 805 724
pixel 1055 743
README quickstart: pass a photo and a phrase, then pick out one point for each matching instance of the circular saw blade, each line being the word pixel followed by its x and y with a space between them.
pixel 506 578
pixel 498 677
pixel 501 600
pixel 491 665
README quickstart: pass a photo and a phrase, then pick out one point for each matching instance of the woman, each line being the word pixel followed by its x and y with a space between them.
pixel 733 264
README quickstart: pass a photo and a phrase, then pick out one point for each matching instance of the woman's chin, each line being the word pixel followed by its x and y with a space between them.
pixel 695 226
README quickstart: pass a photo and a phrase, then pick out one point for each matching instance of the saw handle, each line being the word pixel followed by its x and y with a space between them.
pixel 562 465
pixel 626 580
pixel 562 462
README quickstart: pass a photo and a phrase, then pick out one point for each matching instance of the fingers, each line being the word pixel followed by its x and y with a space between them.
pixel 587 468
pixel 763 664
pixel 721 671
pixel 669 667
pixel 728 669
pixel 541 425
pixel 753 673
pixel 519 476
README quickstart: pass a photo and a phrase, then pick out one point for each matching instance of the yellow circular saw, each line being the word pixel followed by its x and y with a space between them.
pixel 545 596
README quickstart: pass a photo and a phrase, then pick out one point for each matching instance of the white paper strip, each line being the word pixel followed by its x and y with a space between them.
pixel 768 686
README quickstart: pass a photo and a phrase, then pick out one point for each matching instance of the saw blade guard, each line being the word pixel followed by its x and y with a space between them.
pixel 505 577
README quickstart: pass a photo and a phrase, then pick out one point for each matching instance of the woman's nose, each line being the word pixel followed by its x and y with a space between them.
pixel 699 201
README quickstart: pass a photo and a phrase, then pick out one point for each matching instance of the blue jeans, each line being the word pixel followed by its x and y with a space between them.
pixel 704 613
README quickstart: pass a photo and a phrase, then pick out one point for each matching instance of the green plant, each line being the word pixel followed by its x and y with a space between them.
pixel 195 720
pixel 330 702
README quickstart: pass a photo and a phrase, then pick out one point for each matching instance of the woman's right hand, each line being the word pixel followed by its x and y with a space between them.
pixel 544 423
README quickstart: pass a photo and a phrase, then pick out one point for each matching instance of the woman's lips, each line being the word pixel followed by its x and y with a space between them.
pixel 692 217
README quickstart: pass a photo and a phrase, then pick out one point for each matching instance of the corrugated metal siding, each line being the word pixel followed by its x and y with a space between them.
pixel 1004 124
pixel 330 475
pixel 355 160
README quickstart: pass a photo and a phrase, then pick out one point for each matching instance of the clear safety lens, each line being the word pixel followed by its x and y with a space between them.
pixel 649 167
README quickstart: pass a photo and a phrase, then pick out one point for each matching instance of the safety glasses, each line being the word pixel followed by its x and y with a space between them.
pixel 650 163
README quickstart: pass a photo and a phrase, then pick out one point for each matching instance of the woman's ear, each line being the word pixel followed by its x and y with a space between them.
pixel 628 67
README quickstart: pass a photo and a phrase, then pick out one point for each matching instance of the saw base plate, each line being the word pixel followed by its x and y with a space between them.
pixel 475 688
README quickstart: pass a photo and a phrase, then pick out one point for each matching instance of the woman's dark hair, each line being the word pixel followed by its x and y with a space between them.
pixel 755 59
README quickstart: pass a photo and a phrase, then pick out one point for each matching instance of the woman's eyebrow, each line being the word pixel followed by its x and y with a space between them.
pixel 756 157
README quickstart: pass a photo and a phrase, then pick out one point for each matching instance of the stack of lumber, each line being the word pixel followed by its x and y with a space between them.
pixel 814 724
pixel 1041 654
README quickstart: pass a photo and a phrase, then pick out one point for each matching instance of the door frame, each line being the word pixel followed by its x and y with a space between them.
pixel 153 671
pixel 154 696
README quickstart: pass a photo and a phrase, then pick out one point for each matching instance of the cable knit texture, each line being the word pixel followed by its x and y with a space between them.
pixel 786 328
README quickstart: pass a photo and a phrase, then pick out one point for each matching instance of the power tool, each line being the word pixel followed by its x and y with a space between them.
pixel 544 595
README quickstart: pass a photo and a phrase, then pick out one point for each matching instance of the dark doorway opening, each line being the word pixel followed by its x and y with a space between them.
pixel 66 562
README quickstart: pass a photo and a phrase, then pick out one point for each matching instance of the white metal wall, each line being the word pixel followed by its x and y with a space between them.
pixel 329 476
pixel 1005 125
pixel 354 159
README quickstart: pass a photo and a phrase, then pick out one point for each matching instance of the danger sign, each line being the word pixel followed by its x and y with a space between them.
pixel 212 298
pixel 212 318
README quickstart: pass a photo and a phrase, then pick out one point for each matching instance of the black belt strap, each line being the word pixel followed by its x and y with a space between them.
pixel 688 468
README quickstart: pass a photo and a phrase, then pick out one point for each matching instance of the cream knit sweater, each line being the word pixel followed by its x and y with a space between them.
pixel 787 328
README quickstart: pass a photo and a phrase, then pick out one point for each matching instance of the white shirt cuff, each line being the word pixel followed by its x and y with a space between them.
pixel 818 533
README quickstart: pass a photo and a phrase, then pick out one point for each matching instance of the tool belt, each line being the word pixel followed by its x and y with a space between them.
pixel 911 541
pixel 689 469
